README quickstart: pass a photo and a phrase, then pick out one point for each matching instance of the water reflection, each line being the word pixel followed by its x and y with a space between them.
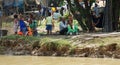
pixel 35 60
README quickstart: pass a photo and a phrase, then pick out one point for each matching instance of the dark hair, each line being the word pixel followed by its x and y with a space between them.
pixel 15 16
pixel 31 15
pixel 62 8
pixel 57 11
pixel 49 14
pixel 96 5
pixel 0 8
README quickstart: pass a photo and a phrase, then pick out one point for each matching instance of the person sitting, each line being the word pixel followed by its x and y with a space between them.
pixel 23 27
pixel 63 27
pixel 76 30
pixel 94 18
pixel 97 21
pixel 33 26
pixel 16 23
pixel 72 26
pixel 100 21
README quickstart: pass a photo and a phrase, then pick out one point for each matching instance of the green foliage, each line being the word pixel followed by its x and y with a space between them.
pixel 58 2
pixel 2 49
pixel 46 43
pixel 66 15
pixel 72 50
pixel 61 3
pixel 54 45
pixel 62 45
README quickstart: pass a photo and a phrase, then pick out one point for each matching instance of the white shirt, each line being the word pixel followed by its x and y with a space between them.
pixel 56 16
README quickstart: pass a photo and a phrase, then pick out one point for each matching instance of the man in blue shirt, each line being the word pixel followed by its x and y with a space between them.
pixel 63 26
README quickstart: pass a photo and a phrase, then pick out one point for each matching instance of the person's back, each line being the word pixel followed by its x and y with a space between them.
pixel 49 20
pixel 16 23
pixel 22 24
pixel 96 10
pixel 49 24
pixel 34 24
pixel 35 33
pixel 56 15
pixel 23 27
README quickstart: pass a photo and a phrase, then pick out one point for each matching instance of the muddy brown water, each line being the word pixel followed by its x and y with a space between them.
pixel 35 60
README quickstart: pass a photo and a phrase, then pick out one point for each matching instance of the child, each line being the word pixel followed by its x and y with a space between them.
pixel 23 26
pixel 49 24
pixel 33 26
pixel 15 23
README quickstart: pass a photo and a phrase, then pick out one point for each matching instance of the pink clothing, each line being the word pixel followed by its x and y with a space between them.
pixel 16 25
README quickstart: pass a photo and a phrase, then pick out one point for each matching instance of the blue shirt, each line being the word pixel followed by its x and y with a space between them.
pixel 22 24
pixel 62 25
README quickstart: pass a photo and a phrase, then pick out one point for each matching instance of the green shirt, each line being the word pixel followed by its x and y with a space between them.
pixel 33 25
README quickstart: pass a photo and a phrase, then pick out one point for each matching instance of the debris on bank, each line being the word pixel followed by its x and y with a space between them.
pixel 76 47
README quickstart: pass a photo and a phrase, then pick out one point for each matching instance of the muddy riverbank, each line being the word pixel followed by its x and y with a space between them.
pixel 16 45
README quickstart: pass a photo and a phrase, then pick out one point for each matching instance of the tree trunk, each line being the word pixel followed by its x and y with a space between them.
pixel 116 8
pixel 108 17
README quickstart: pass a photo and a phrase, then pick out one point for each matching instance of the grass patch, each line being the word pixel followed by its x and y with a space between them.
pixel 15 37
pixel 55 45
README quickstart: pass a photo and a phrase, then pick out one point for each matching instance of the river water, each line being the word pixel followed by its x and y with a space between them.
pixel 35 60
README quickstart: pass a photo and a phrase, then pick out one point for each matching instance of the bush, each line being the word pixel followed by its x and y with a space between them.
pixel 55 45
